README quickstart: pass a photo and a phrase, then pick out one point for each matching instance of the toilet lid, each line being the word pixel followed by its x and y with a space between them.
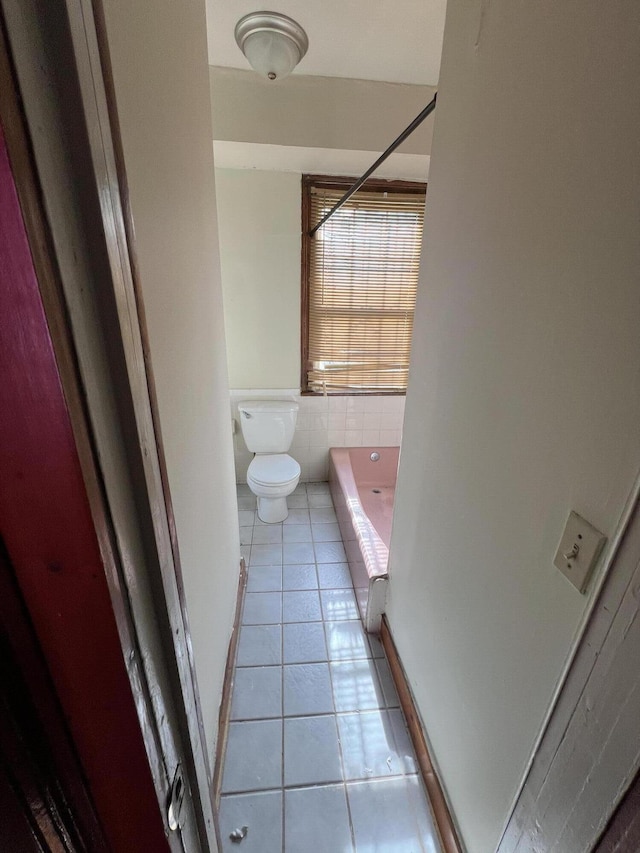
pixel 273 468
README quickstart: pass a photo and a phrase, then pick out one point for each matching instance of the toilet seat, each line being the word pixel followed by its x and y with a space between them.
pixel 273 469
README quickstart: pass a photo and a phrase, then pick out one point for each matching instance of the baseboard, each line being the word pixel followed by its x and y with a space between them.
pixel 225 702
pixel 442 815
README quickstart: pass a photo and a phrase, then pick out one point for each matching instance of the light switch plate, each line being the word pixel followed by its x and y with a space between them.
pixel 578 550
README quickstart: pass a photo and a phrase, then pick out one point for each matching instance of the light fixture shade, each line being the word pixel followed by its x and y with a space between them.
pixel 274 44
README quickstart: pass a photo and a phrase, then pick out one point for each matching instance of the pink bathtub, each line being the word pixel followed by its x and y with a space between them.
pixel 363 489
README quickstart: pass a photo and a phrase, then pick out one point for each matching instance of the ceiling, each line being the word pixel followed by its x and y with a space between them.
pixel 398 41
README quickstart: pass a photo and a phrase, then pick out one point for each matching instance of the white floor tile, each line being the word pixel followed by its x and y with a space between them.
pixel 311 752
pixel 261 812
pixel 299 577
pixel 297 516
pixel 262 608
pixel 264 579
pixel 253 758
pixel 326 532
pixel 334 576
pixel 297 552
pixel 307 690
pixel 301 606
pixel 391 815
pixel 317 820
pixel 297 533
pixel 322 515
pixel 368 745
pixel 260 645
pixel 356 686
pixel 267 534
pixel 330 552
pixel 346 640
pixel 339 604
pixel 304 642
pixel 265 555
pixel 257 693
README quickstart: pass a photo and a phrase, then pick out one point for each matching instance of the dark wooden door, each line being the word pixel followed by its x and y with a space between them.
pixel 53 550
pixel 622 835
pixel 44 800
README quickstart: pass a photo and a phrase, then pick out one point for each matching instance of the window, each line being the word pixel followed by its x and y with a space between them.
pixel 359 282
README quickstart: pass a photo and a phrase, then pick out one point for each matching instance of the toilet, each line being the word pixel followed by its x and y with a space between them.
pixel 268 427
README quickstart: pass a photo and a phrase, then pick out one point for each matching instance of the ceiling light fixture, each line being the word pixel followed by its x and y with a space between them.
pixel 273 43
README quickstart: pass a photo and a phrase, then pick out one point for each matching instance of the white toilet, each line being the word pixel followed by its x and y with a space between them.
pixel 268 427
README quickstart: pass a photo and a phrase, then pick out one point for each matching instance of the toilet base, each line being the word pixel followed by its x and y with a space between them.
pixel 272 510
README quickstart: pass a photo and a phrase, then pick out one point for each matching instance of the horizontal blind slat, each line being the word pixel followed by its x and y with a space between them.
pixel 363 275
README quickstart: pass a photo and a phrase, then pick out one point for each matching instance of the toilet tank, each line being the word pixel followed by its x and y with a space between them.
pixel 268 425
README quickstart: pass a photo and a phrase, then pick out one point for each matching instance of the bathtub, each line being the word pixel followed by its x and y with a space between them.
pixel 363 492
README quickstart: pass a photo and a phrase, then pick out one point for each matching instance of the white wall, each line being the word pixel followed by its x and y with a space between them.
pixel 159 56
pixel 259 216
pixel 524 395
pixel 259 222
pixel 318 112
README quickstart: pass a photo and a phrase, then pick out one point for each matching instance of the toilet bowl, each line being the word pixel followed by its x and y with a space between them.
pixel 268 427
pixel 272 477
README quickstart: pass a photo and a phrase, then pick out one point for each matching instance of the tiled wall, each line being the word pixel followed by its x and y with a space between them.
pixel 325 422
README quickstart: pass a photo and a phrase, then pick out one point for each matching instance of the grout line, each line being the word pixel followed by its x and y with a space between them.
pixel 385 709
pixel 284 824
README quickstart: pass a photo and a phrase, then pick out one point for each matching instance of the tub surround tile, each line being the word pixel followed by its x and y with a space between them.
pixel 325 422
pixel 259 645
pixel 311 751
pixel 262 810
pixel 304 642
pixel 299 577
pixel 336 420
pixel 338 404
pixel 318 815
pixel 257 693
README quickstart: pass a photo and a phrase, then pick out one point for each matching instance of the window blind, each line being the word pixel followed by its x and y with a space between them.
pixel 363 267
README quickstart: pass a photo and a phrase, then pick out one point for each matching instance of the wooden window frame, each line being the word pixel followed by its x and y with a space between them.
pixel 335 183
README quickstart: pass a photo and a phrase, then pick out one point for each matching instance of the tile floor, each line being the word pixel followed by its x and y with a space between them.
pixel 318 757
